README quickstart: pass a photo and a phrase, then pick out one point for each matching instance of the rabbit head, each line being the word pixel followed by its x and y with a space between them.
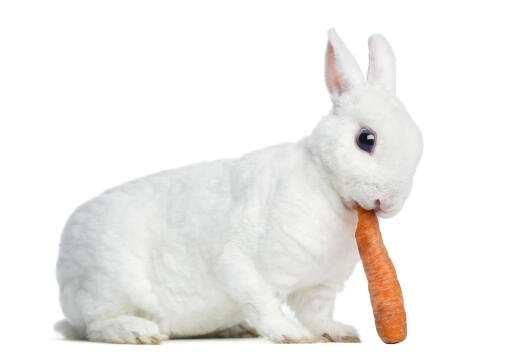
pixel 368 145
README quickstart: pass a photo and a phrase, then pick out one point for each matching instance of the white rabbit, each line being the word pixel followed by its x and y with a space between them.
pixel 219 247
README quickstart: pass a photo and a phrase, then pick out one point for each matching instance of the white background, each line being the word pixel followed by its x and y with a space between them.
pixel 95 93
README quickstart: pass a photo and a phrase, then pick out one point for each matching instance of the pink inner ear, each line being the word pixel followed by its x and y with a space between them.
pixel 333 82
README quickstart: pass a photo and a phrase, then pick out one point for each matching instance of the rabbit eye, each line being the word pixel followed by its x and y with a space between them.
pixel 366 140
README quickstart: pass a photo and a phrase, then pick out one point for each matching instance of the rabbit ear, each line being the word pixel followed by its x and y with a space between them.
pixel 342 72
pixel 382 63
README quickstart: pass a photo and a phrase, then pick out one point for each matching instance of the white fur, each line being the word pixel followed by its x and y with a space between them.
pixel 382 63
pixel 215 245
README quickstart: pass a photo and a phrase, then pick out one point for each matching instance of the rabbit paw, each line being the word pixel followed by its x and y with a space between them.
pixel 334 331
pixel 281 330
pixel 125 330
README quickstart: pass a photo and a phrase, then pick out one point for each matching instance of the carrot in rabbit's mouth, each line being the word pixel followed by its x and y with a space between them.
pixel 384 289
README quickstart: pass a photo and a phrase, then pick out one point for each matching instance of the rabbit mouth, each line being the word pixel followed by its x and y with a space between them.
pixel 380 211
pixel 376 206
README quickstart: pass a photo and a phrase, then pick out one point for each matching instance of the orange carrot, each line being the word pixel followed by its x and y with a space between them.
pixel 384 289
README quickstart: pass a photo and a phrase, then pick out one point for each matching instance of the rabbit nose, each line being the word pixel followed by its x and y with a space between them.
pixel 383 205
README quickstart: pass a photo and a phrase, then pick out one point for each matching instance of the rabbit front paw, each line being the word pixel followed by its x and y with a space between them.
pixel 283 331
pixel 334 331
